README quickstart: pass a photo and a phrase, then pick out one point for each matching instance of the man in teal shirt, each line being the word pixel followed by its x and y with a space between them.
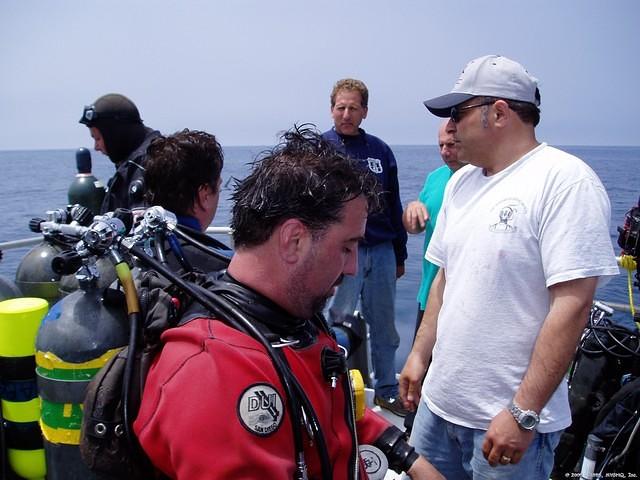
pixel 420 215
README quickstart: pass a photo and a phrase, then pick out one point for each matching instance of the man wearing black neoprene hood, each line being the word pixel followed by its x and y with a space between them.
pixel 118 132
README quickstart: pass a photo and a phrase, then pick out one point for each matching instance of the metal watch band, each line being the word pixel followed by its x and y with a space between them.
pixel 526 419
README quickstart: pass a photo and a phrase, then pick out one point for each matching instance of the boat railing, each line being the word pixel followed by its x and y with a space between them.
pixel 31 241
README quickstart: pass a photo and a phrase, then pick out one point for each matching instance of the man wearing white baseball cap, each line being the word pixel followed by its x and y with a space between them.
pixel 522 240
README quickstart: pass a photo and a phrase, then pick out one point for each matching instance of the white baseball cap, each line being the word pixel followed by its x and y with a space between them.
pixel 488 76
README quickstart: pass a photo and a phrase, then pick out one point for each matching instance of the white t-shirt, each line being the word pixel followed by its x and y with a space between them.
pixel 503 240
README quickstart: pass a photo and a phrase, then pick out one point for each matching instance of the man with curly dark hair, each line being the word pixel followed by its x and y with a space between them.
pixel 218 403
pixel 183 175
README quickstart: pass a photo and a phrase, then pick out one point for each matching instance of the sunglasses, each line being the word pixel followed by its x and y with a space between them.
pixel 456 111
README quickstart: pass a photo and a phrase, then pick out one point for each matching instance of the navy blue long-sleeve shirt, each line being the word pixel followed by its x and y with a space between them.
pixel 374 154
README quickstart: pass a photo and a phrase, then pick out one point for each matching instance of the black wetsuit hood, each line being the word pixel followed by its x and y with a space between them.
pixel 120 139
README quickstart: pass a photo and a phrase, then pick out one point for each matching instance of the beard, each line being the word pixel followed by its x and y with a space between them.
pixel 306 303
pixel 319 303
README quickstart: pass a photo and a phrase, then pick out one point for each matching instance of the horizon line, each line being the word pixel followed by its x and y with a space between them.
pixel 269 146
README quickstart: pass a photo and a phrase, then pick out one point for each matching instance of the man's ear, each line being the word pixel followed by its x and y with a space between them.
pixel 293 239
pixel 502 113
pixel 200 199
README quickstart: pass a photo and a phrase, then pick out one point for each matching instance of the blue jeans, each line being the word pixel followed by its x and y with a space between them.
pixel 375 287
pixel 457 451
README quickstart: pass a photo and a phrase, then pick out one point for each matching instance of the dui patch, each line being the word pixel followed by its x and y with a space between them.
pixel 260 409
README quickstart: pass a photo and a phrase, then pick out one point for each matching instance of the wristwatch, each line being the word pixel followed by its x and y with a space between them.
pixel 526 419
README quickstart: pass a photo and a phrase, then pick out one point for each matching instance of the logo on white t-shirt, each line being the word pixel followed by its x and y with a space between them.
pixel 507 212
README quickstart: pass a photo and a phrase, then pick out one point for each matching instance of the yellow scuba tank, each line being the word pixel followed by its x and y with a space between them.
pixel 86 190
pixel 19 322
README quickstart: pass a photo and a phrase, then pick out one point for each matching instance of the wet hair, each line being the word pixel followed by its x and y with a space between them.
pixel 178 165
pixel 350 84
pixel 528 112
pixel 304 177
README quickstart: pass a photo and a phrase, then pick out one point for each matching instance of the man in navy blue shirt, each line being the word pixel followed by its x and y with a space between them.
pixel 382 253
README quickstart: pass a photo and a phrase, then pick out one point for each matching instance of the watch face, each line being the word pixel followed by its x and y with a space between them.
pixel 528 421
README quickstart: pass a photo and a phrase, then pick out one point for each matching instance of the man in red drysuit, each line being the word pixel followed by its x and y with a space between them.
pixel 261 390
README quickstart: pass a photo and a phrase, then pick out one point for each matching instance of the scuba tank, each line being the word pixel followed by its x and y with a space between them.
pixel 86 189
pixel 78 336
pixel 34 276
pixel 8 289
pixel 21 438
pixel 107 276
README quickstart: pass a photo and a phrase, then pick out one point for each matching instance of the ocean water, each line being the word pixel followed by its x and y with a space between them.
pixel 32 182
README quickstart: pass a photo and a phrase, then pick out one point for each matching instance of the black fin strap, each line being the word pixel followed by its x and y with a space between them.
pixel 399 453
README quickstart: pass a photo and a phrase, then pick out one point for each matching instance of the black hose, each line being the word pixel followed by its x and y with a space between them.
pixel 609 455
pixel 622 338
pixel 158 241
pixel 134 322
pixel 315 426
pixel 200 246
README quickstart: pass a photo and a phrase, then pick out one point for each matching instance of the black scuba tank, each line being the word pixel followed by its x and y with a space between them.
pixel 8 289
pixel 78 336
pixel 106 277
pixel 34 276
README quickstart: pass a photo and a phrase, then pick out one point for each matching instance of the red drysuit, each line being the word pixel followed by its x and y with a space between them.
pixel 214 407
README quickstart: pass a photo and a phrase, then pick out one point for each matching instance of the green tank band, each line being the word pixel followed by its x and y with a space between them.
pixel 49 365
pixel 61 422
pixel 77 374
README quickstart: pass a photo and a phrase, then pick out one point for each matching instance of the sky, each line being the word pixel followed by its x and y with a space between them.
pixel 245 70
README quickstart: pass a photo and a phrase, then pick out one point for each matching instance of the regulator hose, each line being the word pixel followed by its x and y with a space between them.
pixel 133 309
pixel 199 245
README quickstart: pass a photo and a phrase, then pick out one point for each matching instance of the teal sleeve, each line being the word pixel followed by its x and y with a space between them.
pixel 431 196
